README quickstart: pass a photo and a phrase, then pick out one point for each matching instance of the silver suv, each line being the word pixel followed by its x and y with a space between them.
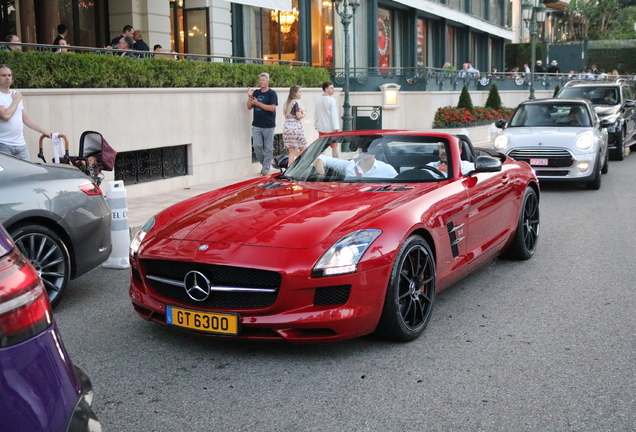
pixel 613 101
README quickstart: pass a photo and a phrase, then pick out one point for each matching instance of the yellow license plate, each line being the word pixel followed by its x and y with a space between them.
pixel 218 323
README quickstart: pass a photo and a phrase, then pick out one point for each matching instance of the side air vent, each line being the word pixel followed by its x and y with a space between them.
pixel 389 188
pixel 454 240
pixel 271 185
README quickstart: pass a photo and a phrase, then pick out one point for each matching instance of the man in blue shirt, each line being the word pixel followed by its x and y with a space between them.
pixel 263 101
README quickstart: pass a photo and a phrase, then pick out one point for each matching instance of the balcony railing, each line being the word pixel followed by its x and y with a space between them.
pixel 432 79
pixel 151 54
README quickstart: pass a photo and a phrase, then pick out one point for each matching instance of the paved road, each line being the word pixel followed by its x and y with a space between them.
pixel 541 345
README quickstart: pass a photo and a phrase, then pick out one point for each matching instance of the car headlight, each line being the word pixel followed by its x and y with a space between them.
pixel 501 141
pixel 139 237
pixel 584 142
pixel 344 255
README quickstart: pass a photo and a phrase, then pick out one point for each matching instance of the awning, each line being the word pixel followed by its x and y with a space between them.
pixel 459 17
pixel 283 5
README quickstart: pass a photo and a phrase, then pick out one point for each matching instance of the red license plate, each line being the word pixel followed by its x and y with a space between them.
pixel 541 162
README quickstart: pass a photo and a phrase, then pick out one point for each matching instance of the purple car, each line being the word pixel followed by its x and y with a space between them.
pixel 40 389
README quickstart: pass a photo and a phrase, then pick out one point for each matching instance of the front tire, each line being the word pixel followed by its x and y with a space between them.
pixel 410 295
pixel 527 235
pixel 619 152
pixel 48 254
pixel 595 183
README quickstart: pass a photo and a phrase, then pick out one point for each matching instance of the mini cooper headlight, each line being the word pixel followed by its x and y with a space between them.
pixel 139 237
pixel 501 141
pixel 584 142
pixel 344 255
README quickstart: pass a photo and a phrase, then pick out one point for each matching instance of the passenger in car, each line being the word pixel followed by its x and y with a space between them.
pixel 366 166
pixel 442 164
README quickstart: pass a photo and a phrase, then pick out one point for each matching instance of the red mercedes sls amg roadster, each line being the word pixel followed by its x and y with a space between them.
pixel 336 248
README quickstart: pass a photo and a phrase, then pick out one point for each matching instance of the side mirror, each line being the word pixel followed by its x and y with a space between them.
pixel 500 124
pixel 605 123
pixel 487 164
pixel 629 103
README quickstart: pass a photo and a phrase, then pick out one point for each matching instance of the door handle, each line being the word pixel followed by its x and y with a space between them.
pixel 505 180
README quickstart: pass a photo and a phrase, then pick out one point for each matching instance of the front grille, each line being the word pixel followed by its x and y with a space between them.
pixel 333 295
pixel 557 158
pixel 218 275
pixel 544 173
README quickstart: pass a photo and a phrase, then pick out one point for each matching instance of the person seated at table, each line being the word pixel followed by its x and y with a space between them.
pixel 365 166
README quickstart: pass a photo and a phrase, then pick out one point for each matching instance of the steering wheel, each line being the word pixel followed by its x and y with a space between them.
pixel 433 170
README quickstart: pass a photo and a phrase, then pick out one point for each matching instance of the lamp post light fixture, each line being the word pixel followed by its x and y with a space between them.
pixel 533 15
pixel 346 9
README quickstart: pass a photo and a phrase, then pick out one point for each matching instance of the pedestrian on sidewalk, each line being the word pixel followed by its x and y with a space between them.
pixel 293 132
pixel 326 116
pixel 13 118
pixel 263 101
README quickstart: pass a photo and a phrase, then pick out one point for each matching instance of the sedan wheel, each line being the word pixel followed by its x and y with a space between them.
pixel 48 254
pixel 527 234
pixel 410 295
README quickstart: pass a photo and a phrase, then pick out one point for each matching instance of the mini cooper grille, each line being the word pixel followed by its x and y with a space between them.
pixel 558 173
pixel 225 276
pixel 333 295
pixel 557 158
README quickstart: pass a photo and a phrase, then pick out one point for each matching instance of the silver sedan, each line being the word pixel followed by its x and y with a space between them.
pixel 562 139
pixel 57 217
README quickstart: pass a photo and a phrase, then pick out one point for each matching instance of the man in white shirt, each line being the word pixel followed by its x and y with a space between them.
pixel 367 166
pixel 442 164
pixel 13 118
pixel 326 114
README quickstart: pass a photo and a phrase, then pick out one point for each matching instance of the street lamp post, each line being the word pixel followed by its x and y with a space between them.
pixel 533 16
pixel 346 9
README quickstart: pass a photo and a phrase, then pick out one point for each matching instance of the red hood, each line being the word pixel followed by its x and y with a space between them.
pixel 294 215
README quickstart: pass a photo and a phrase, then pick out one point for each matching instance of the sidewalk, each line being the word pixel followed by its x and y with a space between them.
pixel 140 209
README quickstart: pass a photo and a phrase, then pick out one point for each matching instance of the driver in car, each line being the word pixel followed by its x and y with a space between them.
pixel 442 164
pixel 365 166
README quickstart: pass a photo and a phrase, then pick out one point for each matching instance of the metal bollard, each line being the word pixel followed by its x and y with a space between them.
pixel 120 236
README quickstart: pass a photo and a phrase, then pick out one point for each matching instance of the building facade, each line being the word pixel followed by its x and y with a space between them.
pixel 384 33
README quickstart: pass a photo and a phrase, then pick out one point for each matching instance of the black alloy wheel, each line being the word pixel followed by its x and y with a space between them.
pixel 410 295
pixel 527 235
pixel 48 254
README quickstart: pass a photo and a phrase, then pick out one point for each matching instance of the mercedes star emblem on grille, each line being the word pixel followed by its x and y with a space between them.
pixel 197 286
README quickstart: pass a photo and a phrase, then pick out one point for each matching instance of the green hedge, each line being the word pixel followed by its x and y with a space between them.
pixel 621 59
pixel 70 70
pixel 519 53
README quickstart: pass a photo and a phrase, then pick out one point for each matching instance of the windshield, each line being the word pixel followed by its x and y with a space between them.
pixel 597 95
pixel 372 158
pixel 551 115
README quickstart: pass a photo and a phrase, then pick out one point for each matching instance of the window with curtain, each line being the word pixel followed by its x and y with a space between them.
pixel 451 45
pixel 421 42
pixel 271 34
pixel 322 33
pixel 477 8
pixel 496 11
pixel 385 38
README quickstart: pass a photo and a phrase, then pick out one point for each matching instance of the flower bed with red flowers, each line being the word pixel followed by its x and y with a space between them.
pixel 451 117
